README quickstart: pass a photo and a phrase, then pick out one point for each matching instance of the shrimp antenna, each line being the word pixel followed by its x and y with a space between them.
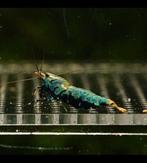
pixel 15 81
pixel 34 56
pixel 43 56
pixel 37 67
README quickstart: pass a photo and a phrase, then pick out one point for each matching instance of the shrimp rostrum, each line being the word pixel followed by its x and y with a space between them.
pixel 56 87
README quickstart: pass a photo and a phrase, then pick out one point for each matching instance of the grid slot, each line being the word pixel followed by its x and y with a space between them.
pixel 3 90
pixel 36 97
pixel 20 90
pixel 28 119
pixel 51 119
pixel 126 101
pixel 138 90
pixel 86 85
pixel 143 84
pixel 10 119
pixel 85 81
pixel 71 109
pixel 37 108
pixel 28 106
pixel 10 104
pixel 45 107
pixel 54 118
pixel 19 103
pixel 102 82
pixel 130 92
pixel 113 92
pixel 44 119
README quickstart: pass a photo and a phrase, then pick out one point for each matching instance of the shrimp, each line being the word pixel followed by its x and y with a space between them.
pixel 56 87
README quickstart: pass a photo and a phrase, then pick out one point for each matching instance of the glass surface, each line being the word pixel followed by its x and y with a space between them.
pixel 98 49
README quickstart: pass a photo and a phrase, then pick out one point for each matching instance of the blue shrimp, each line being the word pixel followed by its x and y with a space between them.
pixel 59 88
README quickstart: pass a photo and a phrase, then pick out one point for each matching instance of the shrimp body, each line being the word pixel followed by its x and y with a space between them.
pixel 59 88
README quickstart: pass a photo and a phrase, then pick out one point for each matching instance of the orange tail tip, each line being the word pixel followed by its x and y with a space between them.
pixel 114 105
pixel 122 110
pixel 144 111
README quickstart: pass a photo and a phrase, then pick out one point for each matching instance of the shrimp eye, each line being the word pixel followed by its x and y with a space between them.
pixel 47 75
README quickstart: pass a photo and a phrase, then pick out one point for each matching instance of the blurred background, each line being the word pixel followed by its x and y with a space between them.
pixel 85 34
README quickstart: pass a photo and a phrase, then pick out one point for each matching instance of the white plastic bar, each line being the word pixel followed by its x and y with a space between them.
pixel 75 133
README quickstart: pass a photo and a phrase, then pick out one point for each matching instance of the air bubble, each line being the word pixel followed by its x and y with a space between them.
pixel 129 99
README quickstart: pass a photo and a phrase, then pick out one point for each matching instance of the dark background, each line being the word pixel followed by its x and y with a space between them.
pixel 80 34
